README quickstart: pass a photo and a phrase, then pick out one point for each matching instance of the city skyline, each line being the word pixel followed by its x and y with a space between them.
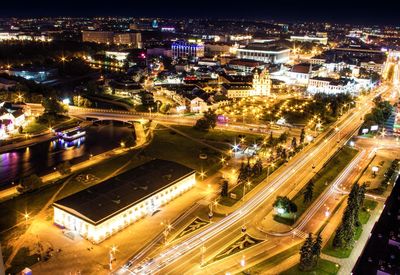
pixel 355 12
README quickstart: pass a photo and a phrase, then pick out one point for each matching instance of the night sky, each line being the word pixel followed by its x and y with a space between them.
pixel 342 11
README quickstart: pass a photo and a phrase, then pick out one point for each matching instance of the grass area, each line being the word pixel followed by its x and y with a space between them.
pixel 272 261
pixel 216 136
pixel 169 145
pixel 22 259
pixel 321 180
pixel 35 126
pixel 115 98
pixel 363 216
pixel 324 267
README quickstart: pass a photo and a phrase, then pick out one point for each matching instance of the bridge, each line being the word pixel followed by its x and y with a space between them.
pixel 119 115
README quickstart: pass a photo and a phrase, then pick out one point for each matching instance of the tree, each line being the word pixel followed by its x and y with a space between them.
pixel 53 106
pixel 316 250
pixel 285 204
pixel 284 154
pixel 224 189
pixel 242 174
pixel 306 256
pixel 29 183
pixel 283 137
pixel 81 101
pixel 294 143
pixel 211 118
pixel 202 125
pixel 302 135
pixel 309 192
pixel 257 167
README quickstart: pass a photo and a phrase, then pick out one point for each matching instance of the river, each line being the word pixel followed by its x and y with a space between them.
pixel 43 157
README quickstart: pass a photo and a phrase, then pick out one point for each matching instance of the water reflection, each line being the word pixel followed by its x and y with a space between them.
pixel 43 157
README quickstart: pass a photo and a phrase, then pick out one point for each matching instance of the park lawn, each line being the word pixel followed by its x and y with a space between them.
pixel 36 127
pixel 324 267
pixel 218 137
pixel 169 145
pixel 363 216
pixel 321 181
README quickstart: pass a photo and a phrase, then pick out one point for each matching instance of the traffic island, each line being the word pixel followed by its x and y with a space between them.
pixel 193 226
pixel 243 243
pixel 319 182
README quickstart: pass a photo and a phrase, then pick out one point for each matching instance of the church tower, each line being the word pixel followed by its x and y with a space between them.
pixel 262 83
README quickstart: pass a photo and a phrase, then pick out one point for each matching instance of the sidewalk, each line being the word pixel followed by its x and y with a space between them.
pixel 29 142
pixel 347 264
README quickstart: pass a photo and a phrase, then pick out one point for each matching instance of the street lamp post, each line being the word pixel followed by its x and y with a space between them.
pixel 26 216
pixel 112 258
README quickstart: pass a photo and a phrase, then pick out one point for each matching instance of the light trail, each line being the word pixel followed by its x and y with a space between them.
pixel 170 255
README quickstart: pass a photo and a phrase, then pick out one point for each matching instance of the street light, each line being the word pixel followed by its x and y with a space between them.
pixel 113 250
pixel 26 216
pixel 210 206
pixel 243 261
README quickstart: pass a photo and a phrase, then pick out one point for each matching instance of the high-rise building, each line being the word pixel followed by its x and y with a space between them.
pixel 262 83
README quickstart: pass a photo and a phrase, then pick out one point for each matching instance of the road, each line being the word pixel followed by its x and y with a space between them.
pixel 181 257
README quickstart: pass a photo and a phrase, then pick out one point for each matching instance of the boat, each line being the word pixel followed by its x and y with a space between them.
pixel 71 134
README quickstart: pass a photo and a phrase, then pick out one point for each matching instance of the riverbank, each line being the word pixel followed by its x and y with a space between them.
pixel 142 139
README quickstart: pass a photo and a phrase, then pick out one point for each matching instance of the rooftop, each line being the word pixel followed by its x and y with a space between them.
pixel 108 198
pixel 265 47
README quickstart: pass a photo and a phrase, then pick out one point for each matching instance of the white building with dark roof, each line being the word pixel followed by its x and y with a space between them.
pixel 102 210
pixel 264 52
pixel 329 85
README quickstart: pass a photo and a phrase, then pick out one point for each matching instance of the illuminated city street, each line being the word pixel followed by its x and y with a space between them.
pixel 208 138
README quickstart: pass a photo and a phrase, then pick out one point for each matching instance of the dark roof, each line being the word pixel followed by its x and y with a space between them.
pixel 246 62
pixel 108 198
pixel 301 68
pixel 18 113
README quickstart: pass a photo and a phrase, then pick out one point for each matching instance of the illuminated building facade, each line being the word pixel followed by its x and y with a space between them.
pixel 98 36
pixel 265 53
pixel 261 83
pixel 319 38
pixel 133 39
pixel 100 211
pixel 189 49
pixel 330 85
